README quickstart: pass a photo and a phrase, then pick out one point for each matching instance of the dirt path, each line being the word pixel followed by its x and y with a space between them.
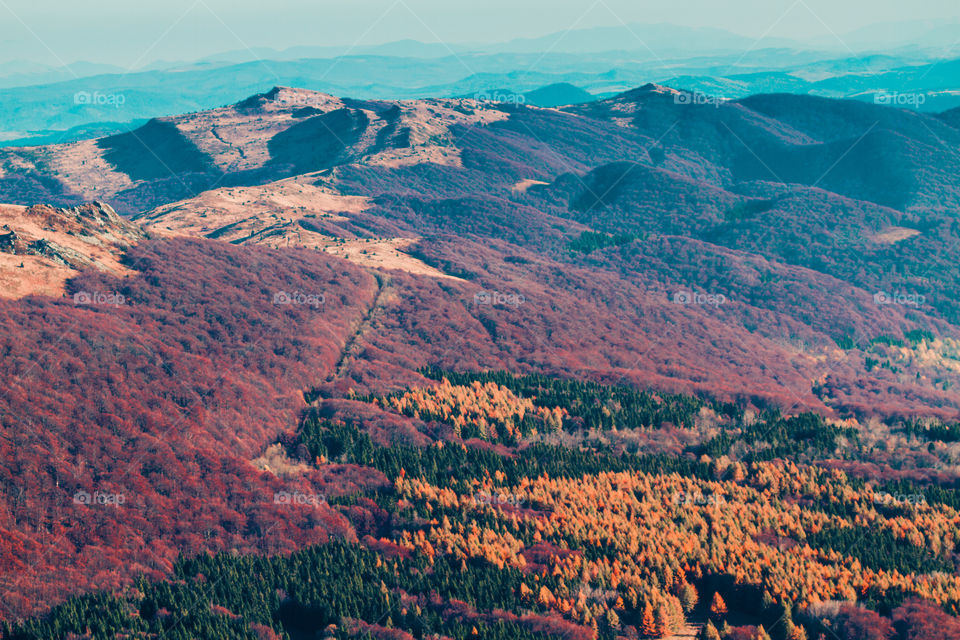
pixel 355 342
pixel 688 632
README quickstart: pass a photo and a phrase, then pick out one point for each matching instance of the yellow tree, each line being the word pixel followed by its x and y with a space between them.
pixel 545 597
pixel 796 632
pixel 648 626
pixel 718 608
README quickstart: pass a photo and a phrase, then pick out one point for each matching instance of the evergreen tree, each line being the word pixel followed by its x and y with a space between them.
pixel 708 632
pixel 688 597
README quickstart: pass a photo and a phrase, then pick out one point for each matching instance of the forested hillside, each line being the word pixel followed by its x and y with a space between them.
pixel 636 368
pixel 552 508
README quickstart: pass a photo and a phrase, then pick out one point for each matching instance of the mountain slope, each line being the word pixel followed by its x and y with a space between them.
pixel 309 252
pixel 771 189
pixel 131 418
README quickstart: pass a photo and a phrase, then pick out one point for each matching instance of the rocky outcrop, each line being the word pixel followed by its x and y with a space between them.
pixel 41 246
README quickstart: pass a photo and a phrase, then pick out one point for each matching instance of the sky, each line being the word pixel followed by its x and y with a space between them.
pixel 131 34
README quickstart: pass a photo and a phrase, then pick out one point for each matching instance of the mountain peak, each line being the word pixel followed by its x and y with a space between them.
pixel 288 97
pixel 647 90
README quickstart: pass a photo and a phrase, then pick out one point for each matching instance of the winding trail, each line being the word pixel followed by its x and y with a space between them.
pixel 355 341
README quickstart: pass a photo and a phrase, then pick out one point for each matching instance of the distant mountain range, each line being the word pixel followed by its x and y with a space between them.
pixel 663 40
pixel 17 73
pixel 42 104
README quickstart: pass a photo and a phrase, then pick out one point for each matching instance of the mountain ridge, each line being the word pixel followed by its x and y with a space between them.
pixel 401 187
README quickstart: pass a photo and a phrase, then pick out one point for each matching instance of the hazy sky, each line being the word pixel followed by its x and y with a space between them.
pixel 131 33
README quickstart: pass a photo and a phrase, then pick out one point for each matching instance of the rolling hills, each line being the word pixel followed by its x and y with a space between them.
pixel 297 273
pixel 791 209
